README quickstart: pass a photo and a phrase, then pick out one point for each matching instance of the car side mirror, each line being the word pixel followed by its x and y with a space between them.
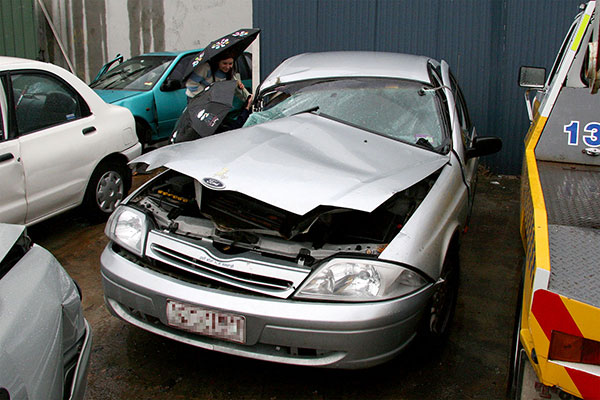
pixel 483 146
pixel 170 85
pixel 532 77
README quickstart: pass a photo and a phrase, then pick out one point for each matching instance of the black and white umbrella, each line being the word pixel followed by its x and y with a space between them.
pixel 205 112
pixel 235 43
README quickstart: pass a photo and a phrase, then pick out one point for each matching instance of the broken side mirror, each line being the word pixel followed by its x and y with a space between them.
pixel 170 85
pixel 483 146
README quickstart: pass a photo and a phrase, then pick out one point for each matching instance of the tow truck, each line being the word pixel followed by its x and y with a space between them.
pixel 556 351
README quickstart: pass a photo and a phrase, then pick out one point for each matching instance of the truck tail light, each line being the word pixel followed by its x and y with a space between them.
pixel 565 347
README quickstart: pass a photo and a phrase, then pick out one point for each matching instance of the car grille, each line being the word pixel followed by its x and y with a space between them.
pixel 254 274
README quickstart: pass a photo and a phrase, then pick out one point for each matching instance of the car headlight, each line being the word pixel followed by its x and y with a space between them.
pixel 128 227
pixel 344 279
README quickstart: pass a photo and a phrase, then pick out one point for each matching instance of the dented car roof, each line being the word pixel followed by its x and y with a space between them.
pixel 301 162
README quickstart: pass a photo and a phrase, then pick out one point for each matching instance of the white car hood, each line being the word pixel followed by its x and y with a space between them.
pixel 300 162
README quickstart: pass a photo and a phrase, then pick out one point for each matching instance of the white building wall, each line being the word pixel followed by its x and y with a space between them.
pixel 94 31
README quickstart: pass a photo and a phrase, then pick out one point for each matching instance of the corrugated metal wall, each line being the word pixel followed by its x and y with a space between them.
pixel 17 29
pixel 484 41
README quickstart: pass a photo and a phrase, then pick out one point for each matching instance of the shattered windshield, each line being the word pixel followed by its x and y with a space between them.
pixel 398 109
pixel 138 73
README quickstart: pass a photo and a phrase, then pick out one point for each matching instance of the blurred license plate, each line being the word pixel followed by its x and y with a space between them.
pixel 206 322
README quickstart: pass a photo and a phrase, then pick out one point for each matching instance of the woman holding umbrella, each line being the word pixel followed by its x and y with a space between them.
pixel 220 68
pixel 215 63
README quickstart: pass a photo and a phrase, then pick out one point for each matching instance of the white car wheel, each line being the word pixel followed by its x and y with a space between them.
pixel 110 190
pixel 107 188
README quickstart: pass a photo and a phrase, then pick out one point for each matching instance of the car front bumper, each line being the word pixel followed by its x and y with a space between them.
pixel 133 151
pixel 79 379
pixel 334 335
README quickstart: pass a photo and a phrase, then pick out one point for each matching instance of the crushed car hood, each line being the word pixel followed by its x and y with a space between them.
pixel 301 162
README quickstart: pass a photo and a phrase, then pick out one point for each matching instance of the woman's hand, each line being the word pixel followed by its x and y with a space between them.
pixel 249 101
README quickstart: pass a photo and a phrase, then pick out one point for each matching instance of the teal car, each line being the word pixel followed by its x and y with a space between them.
pixel 150 86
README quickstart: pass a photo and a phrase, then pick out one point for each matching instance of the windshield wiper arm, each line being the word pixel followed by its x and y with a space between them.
pixel 422 142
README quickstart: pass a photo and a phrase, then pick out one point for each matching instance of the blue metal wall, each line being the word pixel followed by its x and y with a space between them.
pixel 484 41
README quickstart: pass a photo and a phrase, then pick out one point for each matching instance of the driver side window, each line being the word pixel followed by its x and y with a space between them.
pixel 179 69
pixel 2 130
pixel 463 114
pixel 41 101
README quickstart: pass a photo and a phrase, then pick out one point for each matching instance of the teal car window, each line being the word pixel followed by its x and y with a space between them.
pixel 181 67
pixel 138 73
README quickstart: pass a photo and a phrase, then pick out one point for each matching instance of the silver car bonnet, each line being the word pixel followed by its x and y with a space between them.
pixel 9 234
pixel 300 162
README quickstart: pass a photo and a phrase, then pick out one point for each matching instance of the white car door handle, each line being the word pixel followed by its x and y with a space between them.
pixel 6 157
pixel 88 130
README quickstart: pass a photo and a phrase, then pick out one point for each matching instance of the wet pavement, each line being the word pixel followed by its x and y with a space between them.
pixel 129 363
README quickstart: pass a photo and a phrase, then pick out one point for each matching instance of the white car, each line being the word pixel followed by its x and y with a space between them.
pixel 61 145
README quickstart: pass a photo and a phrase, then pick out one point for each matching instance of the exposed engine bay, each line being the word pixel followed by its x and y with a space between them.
pixel 234 222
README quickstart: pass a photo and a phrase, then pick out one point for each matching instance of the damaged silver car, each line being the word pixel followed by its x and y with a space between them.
pixel 323 233
pixel 45 341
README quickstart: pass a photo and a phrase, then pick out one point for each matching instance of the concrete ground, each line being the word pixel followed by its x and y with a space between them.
pixel 129 363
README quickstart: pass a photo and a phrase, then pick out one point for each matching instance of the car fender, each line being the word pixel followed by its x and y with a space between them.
pixel 33 288
pixel 433 225
pixel 142 106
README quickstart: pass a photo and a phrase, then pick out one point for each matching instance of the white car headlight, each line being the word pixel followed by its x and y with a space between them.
pixel 128 228
pixel 344 279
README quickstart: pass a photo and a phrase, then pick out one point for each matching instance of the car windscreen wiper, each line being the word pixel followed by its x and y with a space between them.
pixel 422 142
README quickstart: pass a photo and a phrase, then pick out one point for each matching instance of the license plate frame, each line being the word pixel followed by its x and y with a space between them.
pixel 205 321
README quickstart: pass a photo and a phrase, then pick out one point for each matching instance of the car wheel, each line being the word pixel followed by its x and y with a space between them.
pixel 515 382
pixel 442 304
pixel 106 189
pixel 143 133
pixel 515 374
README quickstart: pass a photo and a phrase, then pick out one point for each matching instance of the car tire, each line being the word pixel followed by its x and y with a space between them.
pixel 515 383
pixel 107 187
pixel 143 133
pixel 440 309
pixel 515 373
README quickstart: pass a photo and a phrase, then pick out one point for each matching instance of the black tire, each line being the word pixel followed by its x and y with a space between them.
pixel 516 376
pixel 107 187
pixel 438 317
pixel 143 133
pixel 515 373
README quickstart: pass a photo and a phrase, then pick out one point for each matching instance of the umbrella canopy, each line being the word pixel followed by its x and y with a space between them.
pixel 205 112
pixel 235 43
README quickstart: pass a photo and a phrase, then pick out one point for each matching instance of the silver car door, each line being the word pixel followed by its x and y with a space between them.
pixel 13 206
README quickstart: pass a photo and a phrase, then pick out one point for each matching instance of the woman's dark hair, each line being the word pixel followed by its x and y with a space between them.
pixel 214 64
